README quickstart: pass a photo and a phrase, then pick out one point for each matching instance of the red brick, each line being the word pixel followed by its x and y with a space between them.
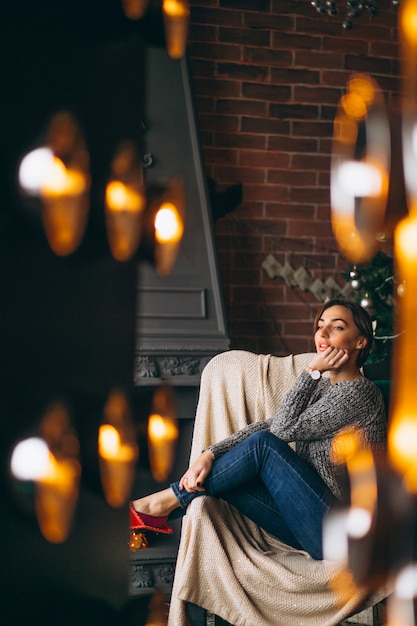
pixel 275 210
pixel 308 194
pixel 271 93
pixel 216 87
pixel 311 227
pixel 260 5
pixel 219 122
pixel 241 140
pixel 294 111
pixel 202 32
pixel 202 67
pixel 266 193
pixel 293 144
pixel 215 51
pixel 239 107
pixel 320 95
pixel 295 76
pixel 218 155
pixel 362 63
pixel 238 174
pixel 295 41
pixel 339 44
pixel 220 17
pixel 311 161
pixel 284 177
pixel 241 71
pixel 268 21
pixel 324 60
pixel 263 157
pixel 244 36
pixel 266 126
pixel 267 56
pixel 308 128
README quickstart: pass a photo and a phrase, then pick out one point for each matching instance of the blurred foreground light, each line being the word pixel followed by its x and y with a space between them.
pixel 134 9
pixel 169 226
pixel 360 167
pixel 176 14
pixel 117 449
pixel 408 22
pixel 57 490
pixel 163 432
pixel 58 174
pixel 402 431
pixel 125 202
pixel 335 543
pixel 401 603
pixel 406 582
pixel 30 459
pixel 360 179
pixel 358 522
pixel 32 170
pixel 56 497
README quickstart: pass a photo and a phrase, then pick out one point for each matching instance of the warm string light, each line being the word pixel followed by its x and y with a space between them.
pixel 163 433
pixel 58 174
pixel 400 471
pixel 125 203
pixel 360 169
pixel 402 435
pixel 176 18
pixel 51 461
pixel 169 226
pixel 176 15
pixel 135 9
pixel 117 449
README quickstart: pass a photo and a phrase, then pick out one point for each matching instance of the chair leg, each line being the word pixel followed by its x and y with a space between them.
pixel 197 615
pixel 221 622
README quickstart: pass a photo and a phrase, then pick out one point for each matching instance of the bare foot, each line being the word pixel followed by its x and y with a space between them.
pixel 159 503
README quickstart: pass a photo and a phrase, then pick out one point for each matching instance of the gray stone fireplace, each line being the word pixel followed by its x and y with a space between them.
pixel 180 318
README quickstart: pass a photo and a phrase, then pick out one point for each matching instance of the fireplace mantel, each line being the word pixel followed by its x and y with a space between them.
pixel 180 318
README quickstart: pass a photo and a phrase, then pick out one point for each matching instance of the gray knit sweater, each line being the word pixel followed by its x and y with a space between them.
pixel 311 414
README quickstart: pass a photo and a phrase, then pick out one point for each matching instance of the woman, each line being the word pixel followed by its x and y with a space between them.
pixel 287 492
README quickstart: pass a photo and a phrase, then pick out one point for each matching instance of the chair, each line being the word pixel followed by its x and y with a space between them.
pixel 229 570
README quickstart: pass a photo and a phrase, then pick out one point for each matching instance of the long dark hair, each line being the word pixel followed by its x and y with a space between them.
pixel 361 319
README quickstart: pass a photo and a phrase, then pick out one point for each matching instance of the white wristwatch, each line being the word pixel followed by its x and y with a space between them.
pixel 315 374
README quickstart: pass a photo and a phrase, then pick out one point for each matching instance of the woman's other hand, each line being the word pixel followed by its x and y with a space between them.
pixel 197 473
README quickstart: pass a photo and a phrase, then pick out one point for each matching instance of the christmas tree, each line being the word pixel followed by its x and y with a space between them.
pixel 373 287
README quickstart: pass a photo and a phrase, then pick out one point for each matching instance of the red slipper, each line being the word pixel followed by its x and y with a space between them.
pixel 142 521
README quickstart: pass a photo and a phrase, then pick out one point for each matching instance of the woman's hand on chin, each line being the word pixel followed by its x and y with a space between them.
pixel 331 359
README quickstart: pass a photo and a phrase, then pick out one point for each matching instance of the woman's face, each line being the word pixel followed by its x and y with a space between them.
pixel 336 328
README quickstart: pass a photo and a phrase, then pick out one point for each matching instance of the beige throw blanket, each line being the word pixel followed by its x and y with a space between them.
pixel 226 563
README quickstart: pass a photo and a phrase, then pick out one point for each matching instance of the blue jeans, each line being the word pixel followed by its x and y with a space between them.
pixel 269 483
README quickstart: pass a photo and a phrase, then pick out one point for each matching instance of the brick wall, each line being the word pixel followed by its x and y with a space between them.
pixel 268 75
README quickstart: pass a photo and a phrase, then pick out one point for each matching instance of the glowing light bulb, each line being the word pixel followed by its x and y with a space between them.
pixel 32 170
pixel 168 224
pixel 30 459
pixel 109 441
pixel 176 15
pixel 408 22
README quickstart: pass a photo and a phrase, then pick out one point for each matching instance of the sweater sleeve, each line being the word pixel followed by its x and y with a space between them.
pixel 218 449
